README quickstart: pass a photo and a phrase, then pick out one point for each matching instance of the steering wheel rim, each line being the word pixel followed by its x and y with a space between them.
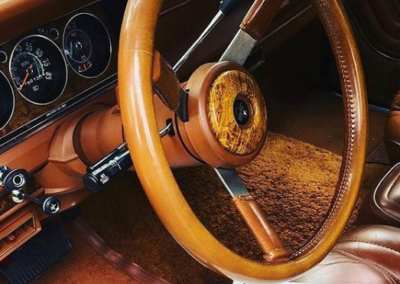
pixel 141 131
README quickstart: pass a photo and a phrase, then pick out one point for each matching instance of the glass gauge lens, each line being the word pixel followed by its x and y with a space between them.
pixel 7 101
pixel 38 70
pixel 87 45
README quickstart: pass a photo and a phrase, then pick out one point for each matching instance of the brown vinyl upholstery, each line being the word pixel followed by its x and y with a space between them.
pixel 385 201
pixel 364 255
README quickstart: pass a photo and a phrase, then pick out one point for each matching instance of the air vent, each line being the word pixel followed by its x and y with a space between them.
pixel 18 232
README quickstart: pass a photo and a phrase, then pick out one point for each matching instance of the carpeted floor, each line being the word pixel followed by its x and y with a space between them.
pixel 294 182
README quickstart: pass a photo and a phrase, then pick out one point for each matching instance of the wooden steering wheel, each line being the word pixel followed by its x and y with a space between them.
pixel 135 71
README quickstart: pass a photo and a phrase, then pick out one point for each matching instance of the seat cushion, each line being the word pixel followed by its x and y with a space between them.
pixel 366 254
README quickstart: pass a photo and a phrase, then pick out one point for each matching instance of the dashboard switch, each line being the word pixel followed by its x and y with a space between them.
pixel 13 179
pixel 50 205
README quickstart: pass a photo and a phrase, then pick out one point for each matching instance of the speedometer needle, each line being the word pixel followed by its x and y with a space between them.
pixel 28 72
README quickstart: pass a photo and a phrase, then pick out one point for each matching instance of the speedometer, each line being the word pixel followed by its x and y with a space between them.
pixel 38 70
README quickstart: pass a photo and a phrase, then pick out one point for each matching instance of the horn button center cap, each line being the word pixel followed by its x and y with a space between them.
pixel 241 112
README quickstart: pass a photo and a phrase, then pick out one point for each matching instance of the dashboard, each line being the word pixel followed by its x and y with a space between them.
pixel 46 72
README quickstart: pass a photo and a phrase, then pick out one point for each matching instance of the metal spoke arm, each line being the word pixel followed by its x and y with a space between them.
pixel 254 217
pixel 252 28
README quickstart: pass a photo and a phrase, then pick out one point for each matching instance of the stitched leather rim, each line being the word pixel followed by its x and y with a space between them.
pixel 138 116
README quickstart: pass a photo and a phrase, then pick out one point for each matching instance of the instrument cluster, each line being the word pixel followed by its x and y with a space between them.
pixel 44 68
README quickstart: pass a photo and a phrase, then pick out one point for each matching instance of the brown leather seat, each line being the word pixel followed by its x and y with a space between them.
pixel 385 201
pixel 364 255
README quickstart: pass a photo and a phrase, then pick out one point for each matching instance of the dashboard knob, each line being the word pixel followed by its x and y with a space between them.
pixel 13 179
pixel 50 205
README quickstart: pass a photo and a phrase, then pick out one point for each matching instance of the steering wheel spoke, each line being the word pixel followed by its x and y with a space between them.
pixel 254 217
pixel 262 11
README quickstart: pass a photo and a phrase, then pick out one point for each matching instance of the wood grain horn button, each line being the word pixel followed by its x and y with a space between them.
pixel 236 112
pixel 227 115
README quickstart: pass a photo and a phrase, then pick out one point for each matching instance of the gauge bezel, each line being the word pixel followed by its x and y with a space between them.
pixel 13 102
pixel 62 56
pixel 109 40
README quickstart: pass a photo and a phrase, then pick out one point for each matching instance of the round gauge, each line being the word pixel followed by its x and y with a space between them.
pixel 87 45
pixel 7 101
pixel 38 70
